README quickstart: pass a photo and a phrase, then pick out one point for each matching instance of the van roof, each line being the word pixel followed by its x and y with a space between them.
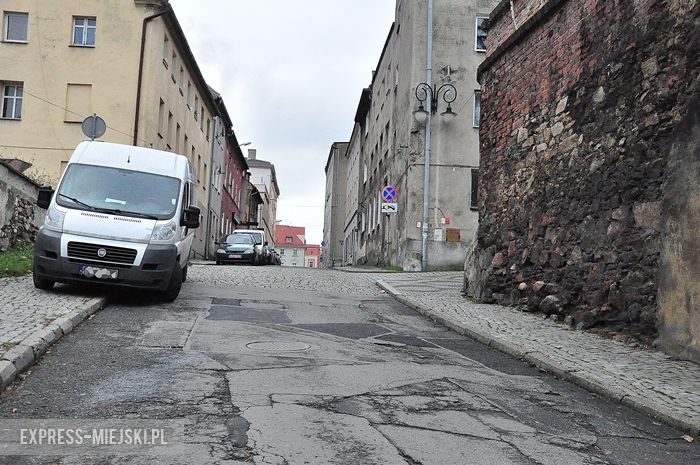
pixel 130 157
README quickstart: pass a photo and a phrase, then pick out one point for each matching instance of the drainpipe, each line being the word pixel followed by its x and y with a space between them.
pixel 146 20
pixel 214 140
pixel 428 136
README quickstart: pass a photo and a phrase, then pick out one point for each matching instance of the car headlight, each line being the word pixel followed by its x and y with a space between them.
pixel 251 250
pixel 54 218
pixel 220 251
pixel 164 232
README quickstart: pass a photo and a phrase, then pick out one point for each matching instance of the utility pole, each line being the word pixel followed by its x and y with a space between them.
pixel 426 150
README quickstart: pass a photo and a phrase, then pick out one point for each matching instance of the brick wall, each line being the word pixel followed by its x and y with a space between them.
pixel 580 105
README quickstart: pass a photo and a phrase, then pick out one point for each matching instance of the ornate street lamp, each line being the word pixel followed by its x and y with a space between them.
pixel 424 92
pixel 430 93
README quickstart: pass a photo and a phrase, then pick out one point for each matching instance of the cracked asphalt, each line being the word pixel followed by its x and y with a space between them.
pixel 328 372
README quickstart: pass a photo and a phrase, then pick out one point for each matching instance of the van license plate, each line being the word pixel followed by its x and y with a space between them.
pixel 234 256
pixel 99 273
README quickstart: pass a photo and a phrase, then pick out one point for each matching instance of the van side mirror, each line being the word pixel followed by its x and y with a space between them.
pixel 43 200
pixel 190 217
pixel 266 244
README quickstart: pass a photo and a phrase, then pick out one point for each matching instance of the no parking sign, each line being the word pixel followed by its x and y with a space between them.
pixel 390 193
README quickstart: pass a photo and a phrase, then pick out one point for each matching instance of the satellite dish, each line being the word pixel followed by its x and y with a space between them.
pixel 94 127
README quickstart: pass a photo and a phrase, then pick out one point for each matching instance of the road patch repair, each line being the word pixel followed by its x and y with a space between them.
pixel 31 320
pixel 649 381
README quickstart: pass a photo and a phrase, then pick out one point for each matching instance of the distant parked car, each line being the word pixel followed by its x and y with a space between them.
pixel 237 248
pixel 260 243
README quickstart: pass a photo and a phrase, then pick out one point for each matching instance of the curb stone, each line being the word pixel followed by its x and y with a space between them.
pixel 540 360
pixel 24 355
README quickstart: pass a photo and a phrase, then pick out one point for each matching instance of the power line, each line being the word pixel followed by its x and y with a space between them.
pixel 78 114
pixel 32 148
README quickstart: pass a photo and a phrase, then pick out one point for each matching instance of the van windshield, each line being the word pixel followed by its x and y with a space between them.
pixel 257 236
pixel 123 192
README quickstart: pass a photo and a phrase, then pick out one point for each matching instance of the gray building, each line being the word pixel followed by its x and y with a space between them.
pixel 334 207
pixel 387 146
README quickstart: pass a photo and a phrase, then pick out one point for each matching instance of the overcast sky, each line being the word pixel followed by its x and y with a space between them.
pixel 291 74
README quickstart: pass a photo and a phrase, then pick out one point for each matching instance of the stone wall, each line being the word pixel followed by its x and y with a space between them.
pixel 20 218
pixel 580 107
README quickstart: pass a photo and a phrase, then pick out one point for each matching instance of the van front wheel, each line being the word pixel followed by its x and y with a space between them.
pixel 39 282
pixel 174 286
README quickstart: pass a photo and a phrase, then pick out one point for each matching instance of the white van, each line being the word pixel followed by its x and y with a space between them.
pixel 121 215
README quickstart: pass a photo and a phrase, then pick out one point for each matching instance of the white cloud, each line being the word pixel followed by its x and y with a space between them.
pixel 291 73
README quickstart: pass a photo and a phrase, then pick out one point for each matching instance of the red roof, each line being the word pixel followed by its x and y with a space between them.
pixel 283 231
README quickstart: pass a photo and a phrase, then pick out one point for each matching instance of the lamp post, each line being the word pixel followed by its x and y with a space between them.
pixel 428 93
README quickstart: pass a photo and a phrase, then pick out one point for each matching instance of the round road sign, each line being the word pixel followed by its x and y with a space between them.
pixel 389 193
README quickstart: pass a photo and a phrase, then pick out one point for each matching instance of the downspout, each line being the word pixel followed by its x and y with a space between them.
pixel 210 214
pixel 426 151
pixel 146 20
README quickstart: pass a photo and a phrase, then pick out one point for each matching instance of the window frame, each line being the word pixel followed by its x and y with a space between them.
pixel 476 122
pixel 4 85
pixel 85 26
pixel 6 27
pixel 476 34
pixel 474 189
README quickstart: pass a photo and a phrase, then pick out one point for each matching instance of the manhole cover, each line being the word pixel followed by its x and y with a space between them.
pixel 279 346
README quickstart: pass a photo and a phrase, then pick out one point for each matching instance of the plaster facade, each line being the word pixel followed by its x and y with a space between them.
pixel 63 82
pixel 264 178
pixel 390 143
pixel 334 205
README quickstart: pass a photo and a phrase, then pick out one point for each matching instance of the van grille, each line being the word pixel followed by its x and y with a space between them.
pixel 89 252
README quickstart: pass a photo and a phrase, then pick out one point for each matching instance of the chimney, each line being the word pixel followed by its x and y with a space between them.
pixel 251 154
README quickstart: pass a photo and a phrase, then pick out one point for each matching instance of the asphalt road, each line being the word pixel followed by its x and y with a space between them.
pixel 280 376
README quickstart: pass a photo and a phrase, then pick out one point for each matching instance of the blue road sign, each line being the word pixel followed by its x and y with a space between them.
pixel 390 193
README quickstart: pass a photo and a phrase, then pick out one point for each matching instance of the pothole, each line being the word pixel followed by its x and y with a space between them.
pixel 279 346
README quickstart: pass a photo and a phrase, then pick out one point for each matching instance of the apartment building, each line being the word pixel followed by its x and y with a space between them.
pixel 264 178
pixel 334 206
pixel 388 143
pixel 127 61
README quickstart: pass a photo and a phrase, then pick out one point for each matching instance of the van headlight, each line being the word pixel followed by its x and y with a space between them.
pixel 164 232
pixel 222 251
pixel 251 250
pixel 54 218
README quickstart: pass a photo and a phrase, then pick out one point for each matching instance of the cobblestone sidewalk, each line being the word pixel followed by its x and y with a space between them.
pixel 31 320
pixel 644 379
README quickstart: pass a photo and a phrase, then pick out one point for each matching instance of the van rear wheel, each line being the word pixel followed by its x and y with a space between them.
pixel 174 286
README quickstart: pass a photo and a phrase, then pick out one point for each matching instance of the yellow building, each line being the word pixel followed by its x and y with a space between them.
pixel 126 60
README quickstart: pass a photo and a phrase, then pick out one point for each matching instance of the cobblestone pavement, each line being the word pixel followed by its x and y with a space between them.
pixel 24 310
pixel 279 277
pixel 645 379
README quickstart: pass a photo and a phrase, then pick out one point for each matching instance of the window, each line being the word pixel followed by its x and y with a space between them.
pixel 166 50
pixel 477 108
pixel 208 127
pixel 196 105
pixel 78 102
pixel 12 100
pixel 84 30
pixel 294 252
pixel 201 121
pixel 177 138
pixel 182 78
pixel 170 130
pixel 199 166
pixel 186 145
pixel 281 251
pixel 474 198
pixel 189 94
pixel 161 118
pixel 288 239
pixel 174 65
pixel 15 27
pixel 480 39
